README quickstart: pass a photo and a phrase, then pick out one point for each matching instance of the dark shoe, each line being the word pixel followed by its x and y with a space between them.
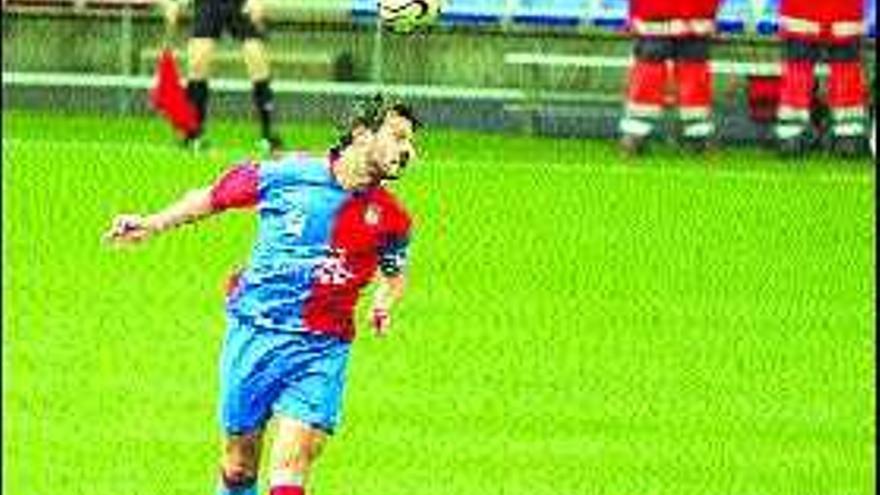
pixel 633 145
pixel 697 145
pixel 851 147
pixel 793 148
pixel 195 144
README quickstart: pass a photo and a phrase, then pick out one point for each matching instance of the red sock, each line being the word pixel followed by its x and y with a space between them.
pixel 797 80
pixel 647 82
pixel 694 83
pixel 846 85
pixel 287 490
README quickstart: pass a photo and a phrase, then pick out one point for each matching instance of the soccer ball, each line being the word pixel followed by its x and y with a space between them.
pixel 405 16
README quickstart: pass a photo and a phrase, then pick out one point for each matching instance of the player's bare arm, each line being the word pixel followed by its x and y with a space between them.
pixel 389 290
pixel 132 228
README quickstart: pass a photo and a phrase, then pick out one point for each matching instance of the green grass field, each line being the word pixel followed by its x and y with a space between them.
pixel 576 323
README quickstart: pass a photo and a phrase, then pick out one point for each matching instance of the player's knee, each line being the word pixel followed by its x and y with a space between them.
pixel 241 458
pixel 298 456
pixel 795 49
pixel 847 52
pixel 693 50
pixel 654 49
pixel 238 476
pixel 200 53
pixel 254 45
pixel 256 59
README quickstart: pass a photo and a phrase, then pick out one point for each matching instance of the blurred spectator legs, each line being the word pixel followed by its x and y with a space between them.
pixel 847 97
pixel 658 61
pixel 798 85
pixel 645 92
pixel 693 80
pixel 800 100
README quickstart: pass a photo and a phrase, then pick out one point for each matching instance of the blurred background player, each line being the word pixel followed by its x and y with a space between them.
pixel 830 31
pixel 326 228
pixel 244 20
pixel 672 39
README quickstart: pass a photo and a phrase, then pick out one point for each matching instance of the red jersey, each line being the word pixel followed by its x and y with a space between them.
pixel 673 18
pixel 830 20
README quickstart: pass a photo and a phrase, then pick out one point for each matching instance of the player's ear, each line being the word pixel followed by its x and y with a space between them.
pixel 358 129
pixel 360 133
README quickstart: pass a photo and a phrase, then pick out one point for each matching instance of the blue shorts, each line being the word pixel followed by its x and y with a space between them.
pixel 296 374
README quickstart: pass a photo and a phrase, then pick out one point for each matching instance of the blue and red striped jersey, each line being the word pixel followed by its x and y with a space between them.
pixel 317 244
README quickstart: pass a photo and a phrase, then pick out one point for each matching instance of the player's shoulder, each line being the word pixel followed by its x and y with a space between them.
pixel 249 163
pixel 292 161
pixel 240 170
pixel 392 208
pixel 297 165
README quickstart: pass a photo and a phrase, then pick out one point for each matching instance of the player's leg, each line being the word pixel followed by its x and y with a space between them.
pixel 847 97
pixel 251 32
pixel 296 447
pixel 798 83
pixel 240 464
pixel 200 51
pixel 207 28
pixel 694 83
pixel 308 409
pixel 645 92
pixel 248 387
pixel 257 62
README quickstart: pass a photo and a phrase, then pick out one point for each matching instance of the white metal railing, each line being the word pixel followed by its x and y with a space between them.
pixel 717 66
pixel 111 81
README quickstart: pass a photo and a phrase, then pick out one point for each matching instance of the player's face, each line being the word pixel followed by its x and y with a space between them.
pixel 392 146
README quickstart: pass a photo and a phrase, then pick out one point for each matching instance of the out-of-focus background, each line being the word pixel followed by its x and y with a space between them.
pixel 577 321
pixel 555 67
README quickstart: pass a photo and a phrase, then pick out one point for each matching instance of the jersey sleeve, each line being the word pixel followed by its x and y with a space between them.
pixel 393 255
pixel 237 188
pixel 395 239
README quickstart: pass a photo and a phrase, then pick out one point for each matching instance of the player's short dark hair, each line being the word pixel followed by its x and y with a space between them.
pixel 405 111
pixel 370 113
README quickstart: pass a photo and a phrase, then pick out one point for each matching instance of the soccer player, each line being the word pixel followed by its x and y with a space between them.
pixel 327 227
pixel 245 21
pixel 812 32
pixel 672 42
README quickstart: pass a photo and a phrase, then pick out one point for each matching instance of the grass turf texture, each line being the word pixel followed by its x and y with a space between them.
pixel 576 323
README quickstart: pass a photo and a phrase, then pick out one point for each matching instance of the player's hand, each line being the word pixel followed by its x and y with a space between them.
pixel 380 320
pixel 233 282
pixel 256 10
pixel 128 229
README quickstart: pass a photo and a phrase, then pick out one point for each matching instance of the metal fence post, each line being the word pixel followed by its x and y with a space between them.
pixel 125 50
pixel 377 58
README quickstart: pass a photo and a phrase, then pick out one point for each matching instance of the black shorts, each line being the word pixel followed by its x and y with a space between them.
pixel 658 49
pixel 815 51
pixel 213 17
